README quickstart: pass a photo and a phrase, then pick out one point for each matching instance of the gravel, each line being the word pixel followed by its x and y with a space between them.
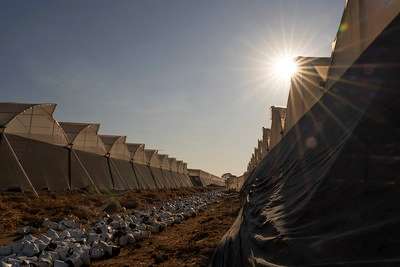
pixel 70 243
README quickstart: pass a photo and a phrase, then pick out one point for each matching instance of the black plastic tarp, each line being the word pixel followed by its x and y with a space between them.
pixel 328 193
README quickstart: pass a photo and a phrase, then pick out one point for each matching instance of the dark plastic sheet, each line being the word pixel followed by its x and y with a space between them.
pixel 145 178
pixel 328 193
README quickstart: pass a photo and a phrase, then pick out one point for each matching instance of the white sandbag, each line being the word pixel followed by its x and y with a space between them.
pixel 76 233
pixel 40 244
pixel 4 264
pixel 17 247
pixel 70 223
pixel 60 263
pixel 25 230
pixel 53 234
pixel 65 234
pixel 45 262
pixel 131 238
pixel 50 224
pixel 62 251
pixel 45 238
pixel 6 250
pixel 96 253
pixel 123 240
pixel 93 237
pixel 74 261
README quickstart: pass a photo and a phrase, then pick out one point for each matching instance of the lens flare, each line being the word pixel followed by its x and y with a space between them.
pixel 285 67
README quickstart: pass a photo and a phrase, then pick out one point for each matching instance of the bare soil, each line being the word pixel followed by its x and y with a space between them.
pixel 18 209
pixel 190 243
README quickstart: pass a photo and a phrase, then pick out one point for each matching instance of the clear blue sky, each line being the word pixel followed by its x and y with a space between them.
pixel 182 76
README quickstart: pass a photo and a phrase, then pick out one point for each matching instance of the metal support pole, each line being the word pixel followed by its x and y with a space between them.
pixel 154 178
pixel 19 164
pixel 69 169
pixel 136 175
pixel 110 171
pixel 119 174
pixel 84 169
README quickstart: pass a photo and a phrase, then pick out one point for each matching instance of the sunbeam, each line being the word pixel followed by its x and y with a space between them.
pixel 285 67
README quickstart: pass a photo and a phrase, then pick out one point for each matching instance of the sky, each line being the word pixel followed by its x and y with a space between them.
pixel 190 78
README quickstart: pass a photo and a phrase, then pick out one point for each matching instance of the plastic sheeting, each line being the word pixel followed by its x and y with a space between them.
pixel 73 156
pixel 116 146
pixel 252 163
pixel 181 180
pixel 202 178
pixel 173 178
pixel 98 169
pixel 277 126
pixel 120 160
pixel 167 178
pixel 158 177
pixel 235 183
pixel 32 121
pixel 143 175
pixel 196 181
pixel 127 172
pixel 8 111
pixel 262 150
pixel 119 182
pixel 361 23
pixel 266 139
pixel 186 174
pixel 307 87
pixel 153 161
pixel 328 193
pixel 29 123
pixel 90 149
pixel 145 178
pixel 84 136
pixel 39 145
pixel 165 168
pixel 173 167
pixel 197 177
pixel 12 177
pixel 47 165
pixel 185 179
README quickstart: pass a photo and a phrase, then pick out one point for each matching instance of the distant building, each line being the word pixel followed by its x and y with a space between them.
pixel 233 182
pixel 227 175
pixel 203 178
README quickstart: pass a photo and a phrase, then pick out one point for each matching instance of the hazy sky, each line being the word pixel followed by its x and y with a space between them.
pixel 184 76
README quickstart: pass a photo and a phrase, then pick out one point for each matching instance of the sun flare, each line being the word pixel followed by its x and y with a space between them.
pixel 285 67
pixel 274 60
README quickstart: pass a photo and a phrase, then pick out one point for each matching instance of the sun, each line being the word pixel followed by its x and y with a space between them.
pixel 285 67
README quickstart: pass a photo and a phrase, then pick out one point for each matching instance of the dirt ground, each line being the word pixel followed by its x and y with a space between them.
pixel 18 209
pixel 190 243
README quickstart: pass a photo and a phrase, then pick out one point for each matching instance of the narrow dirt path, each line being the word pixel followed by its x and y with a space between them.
pixel 190 243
